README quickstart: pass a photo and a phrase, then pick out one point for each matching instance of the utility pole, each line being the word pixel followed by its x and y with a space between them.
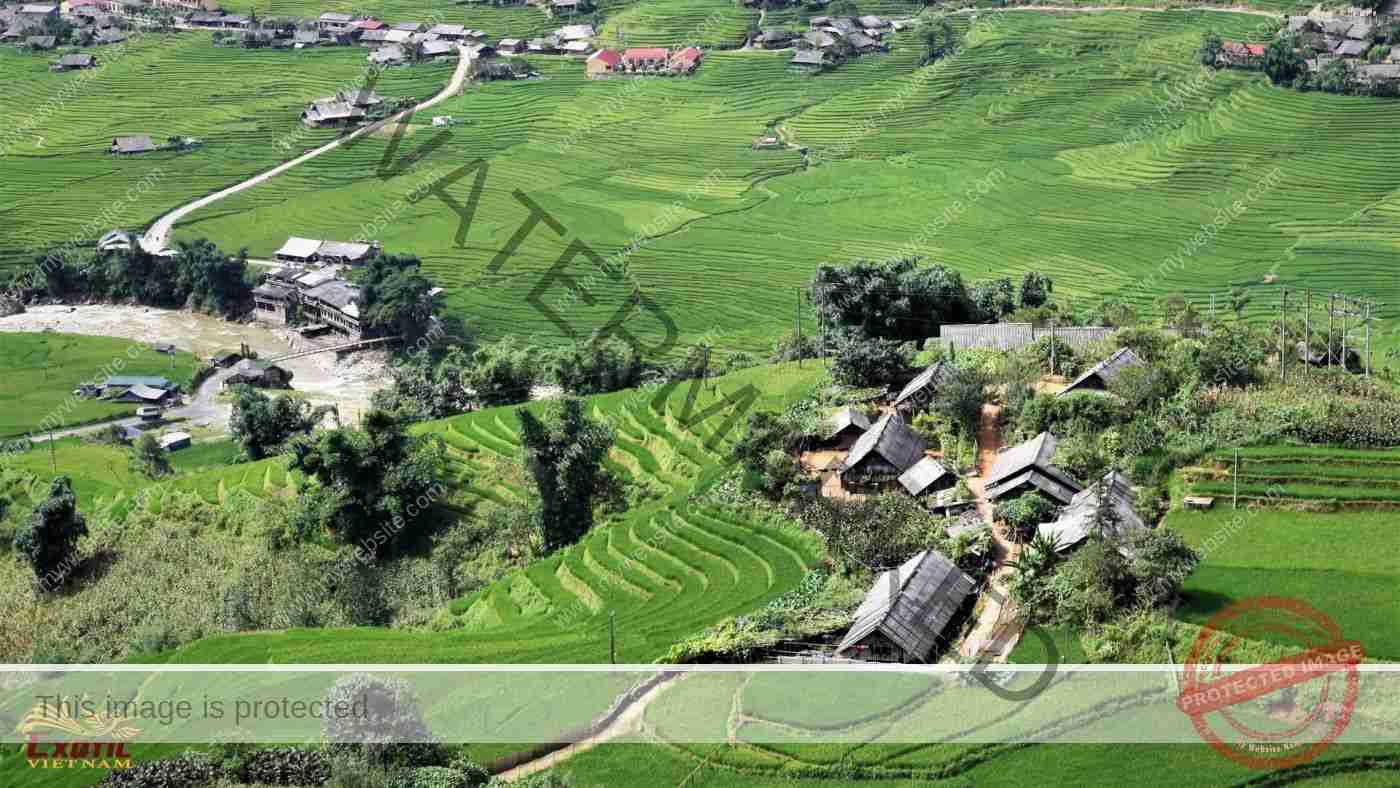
pixel 797 318
pixel 1283 338
pixel 1235 498
pixel 1331 308
pixel 1212 307
pixel 1307 332
pixel 1052 346
pixel 612 637
pixel 1344 333
pixel 1368 339
pixel 53 461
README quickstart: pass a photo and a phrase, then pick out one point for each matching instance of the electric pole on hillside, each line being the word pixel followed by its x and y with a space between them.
pixel 797 318
pixel 1235 498
pixel 612 637
pixel 1331 308
pixel 53 460
pixel 1283 338
pixel 1307 330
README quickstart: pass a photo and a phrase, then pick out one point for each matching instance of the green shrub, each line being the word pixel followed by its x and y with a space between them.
pixel 188 771
pixel 1089 587
pixel 1025 513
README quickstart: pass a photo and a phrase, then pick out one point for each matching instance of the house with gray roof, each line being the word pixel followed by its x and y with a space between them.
pixel 905 612
pixel 259 375
pixel 40 43
pixel 1028 466
pixel 926 477
pixel 1100 376
pixel 1105 508
pixel 809 60
pixel 328 113
pixel 392 55
pixel 919 392
pixel 334 22
pixel 845 426
pixel 881 455
pixel 128 146
pixel 1014 336
pixel 1350 48
pixel 74 62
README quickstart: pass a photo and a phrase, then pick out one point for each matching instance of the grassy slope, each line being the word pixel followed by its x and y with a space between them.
pixel 41 371
pixel 1043 100
pixel 691 565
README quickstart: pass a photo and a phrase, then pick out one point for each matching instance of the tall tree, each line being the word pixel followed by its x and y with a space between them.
pixel 896 299
pixel 564 455
pixel 394 298
pixel 372 481
pixel 1281 60
pixel 1035 289
pixel 148 458
pixel 49 537
pixel 503 372
pixel 262 425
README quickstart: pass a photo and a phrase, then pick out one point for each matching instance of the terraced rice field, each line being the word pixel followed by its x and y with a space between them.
pixel 1095 134
pixel 666 568
pixel 1304 475
pixel 243 105
pixel 1347 565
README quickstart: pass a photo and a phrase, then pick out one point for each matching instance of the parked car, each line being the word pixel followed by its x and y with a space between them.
pixel 149 412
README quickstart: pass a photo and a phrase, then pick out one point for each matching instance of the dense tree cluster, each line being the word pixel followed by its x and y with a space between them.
pixel 564 452
pixel 262 425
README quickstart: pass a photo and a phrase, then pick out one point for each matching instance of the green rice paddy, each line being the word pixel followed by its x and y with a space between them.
pixel 1303 475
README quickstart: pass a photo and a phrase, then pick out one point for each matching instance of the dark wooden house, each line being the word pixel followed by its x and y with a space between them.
pixel 881 455
pixel 1026 467
pixel 906 611
pixel 1100 376
pixel 1105 508
pixel 920 391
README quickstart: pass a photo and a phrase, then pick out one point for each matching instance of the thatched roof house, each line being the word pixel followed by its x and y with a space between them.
pixel 1102 374
pixel 1028 466
pixel 906 610
pixel 1104 507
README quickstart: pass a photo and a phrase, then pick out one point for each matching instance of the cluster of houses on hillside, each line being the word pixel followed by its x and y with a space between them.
pixel 907 610
pixel 830 40
pixel 345 108
pixel 1353 40
pixel 644 60
pixel 309 290
pixel 40 27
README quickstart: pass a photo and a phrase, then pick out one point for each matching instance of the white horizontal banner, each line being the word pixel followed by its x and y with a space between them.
pixel 1304 702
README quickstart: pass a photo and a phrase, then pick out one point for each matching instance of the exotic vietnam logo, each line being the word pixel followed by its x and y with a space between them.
pixel 60 737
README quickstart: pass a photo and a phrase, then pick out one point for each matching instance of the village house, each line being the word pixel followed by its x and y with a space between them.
pixel 410 27
pixel 117 386
pixel 871 22
pixel 1100 376
pixel 259 375
pixel 334 22
pixel 928 477
pixel 40 43
pixel 1377 73
pixel 775 39
pixel 305 251
pixel 645 59
pixel 569 7
pixel 809 60
pixel 34 15
pixel 174 441
pixel 602 63
pixel 575 47
pixel 906 610
pixel 392 55
pixel 512 46
pixel 1350 48
pixel 686 60
pixel 575 32
pixel 449 32
pixel 115 241
pixel 844 427
pixel 1028 467
pixel 73 62
pixel 478 51
pixel 1014 336
pixel 318 299
pixel 302 39
pixel 431 50
pixel 367 25
pixel 1240 54
pixel 328 113
pixel 862 43
pixel 881 455
pixel 127 146
pixel 919 392
pixel 819 39
pixel 1105 508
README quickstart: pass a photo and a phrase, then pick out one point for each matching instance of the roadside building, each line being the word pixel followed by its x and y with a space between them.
pixel 906 610
pixel 145 395
pixel 259 375
pixel 298 250
pixel 327 113
pixel 645 59
pixel 512 46
pixel 174 441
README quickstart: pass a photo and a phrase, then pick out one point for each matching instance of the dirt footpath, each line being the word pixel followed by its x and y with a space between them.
pixel 349 383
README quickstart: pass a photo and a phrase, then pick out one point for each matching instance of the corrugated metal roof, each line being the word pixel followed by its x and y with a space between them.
pixel 934 375
pixel 912 604
pixel 1050 481
pixel 922 475
pixel 1036 451
pixel 844 418
pixel 1086 514
pixel 1013 336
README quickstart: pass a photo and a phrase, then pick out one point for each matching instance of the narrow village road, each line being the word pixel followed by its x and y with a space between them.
pixel 992 637
pixel 158 236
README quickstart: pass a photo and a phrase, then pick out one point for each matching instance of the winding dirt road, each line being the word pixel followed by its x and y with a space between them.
pixel 158 236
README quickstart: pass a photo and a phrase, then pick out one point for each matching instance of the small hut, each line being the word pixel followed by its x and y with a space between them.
pixel 1104 507
pixel 1102 374
pixel 906 610
pixel 845 427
